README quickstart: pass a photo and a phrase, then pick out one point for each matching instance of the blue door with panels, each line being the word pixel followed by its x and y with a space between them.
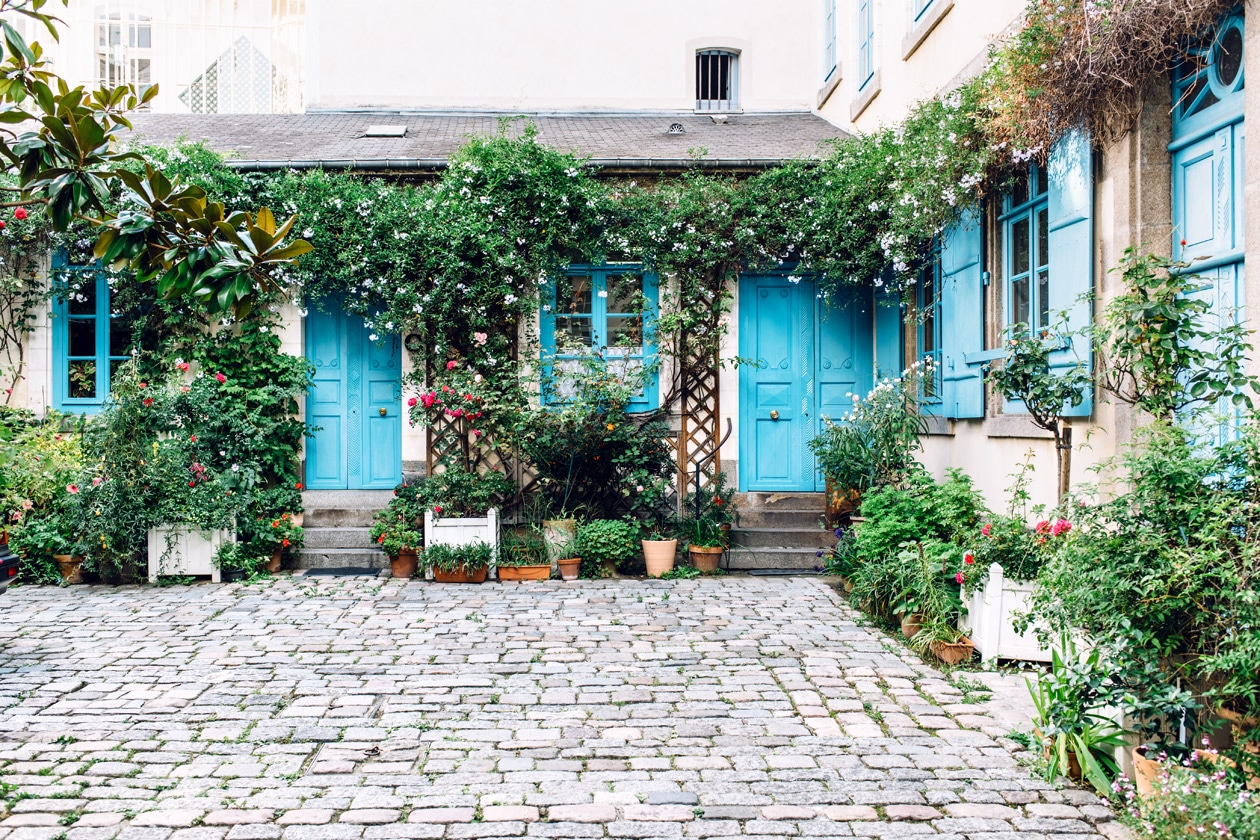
pixel 355 402
pixel 804 360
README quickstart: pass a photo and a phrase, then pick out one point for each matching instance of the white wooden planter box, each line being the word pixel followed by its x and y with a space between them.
pixel 989 624
pixel 184 550
pixel 464 531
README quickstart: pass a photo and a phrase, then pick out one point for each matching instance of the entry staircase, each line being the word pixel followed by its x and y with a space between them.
pixel 337 525
pixel 779 531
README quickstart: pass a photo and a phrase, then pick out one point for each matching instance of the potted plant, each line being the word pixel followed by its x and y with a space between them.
pixel 48 536
pixel 603 544
pixel 523 555
pixel 949 645
pixel 705 543
pixel 284 535
pixel 396 530
pixel 569 560
pixel 460 508
pixel 658 553
pixel 466 563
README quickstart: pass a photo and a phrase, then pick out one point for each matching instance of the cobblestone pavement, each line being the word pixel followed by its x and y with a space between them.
pixel 338 708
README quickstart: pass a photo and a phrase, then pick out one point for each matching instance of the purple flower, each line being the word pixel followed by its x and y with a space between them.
pixel 839 533
pixel 818 553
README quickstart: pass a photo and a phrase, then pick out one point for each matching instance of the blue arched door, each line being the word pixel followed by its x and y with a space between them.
pixel 355 403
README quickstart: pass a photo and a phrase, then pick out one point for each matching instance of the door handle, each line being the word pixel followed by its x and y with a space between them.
pixel 774 415
pixel 384 412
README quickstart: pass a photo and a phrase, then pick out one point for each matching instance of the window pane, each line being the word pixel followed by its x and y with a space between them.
pixel 1019 192
pixel 1020 261
pixel 141 70
pixel 82 337
pixel 1019 301
pixel 573 296
pixel 929 331
pixel 1043 237
pixel 81 294
pixel 119 337
pixel 626 333
pixel 1043 299
pixel 83 380
pixel 624 292
pixel 572 332
pixel 1040 174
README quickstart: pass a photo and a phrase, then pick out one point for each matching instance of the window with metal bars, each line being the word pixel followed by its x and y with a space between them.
pixel 717 80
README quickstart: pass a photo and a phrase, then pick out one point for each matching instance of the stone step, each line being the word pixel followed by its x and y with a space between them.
pixel 320 537
pixel 814 538
pixel 332 558
pixel 343 508
pixel 772 558
pixel 794 519
pixel 783 501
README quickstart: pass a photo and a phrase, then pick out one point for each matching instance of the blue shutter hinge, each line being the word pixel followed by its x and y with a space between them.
pixel 984 275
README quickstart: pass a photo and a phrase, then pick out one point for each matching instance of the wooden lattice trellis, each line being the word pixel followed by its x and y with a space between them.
pixel 700 409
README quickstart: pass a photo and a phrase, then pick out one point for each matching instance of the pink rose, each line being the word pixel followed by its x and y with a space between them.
pixel 987 529
pixel 451 365
pixel 1060 526
pixel 959 577
pixel 220 378
pixel 480 338
pixel 411 402
pixel 72 488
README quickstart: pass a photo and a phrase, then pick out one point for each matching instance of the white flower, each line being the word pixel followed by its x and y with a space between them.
pixel 236 468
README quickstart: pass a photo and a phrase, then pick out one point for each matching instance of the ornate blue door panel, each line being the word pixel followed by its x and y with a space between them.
pixel 355 403
pixel 803 361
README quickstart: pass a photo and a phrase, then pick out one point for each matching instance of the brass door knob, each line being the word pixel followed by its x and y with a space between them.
pixel 774 415
pixel 384 412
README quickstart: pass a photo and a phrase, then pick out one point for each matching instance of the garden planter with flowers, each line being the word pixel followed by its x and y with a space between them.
pixel 186 550
pixel 462 531
pixel 990 619
pixel 466 563
pixel 461 511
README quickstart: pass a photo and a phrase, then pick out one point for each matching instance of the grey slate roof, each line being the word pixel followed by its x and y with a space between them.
pixel 335 139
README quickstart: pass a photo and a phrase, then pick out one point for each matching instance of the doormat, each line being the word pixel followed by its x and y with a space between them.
pixel 783 572
pixel 343 571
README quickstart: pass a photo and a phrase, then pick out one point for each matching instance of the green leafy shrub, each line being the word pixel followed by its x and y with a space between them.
pixel 606 541
pixel 456 492
pixel 874 444
pixel 455 558
pixel 400 525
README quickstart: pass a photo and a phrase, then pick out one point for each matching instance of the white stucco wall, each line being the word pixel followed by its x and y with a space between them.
pixel 959 41
pixel 555 54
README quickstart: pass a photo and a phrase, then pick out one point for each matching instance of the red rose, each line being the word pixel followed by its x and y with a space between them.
pixel 148 401
pixel 959 577
pixel 412 402
pixel 381 538
pixel 284 543
pixel 437 508
pixel 192 439
pixel 987 529
pixel 1 225
pixel 20 213
pixel 451 366
pixel 192 484
pixel 969 559
pixel 298 486
pixel 220 378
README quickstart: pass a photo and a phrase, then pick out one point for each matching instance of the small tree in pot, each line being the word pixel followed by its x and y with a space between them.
pixel 398 531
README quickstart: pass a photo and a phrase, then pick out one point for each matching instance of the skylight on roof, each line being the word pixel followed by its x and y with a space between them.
pixel 385 131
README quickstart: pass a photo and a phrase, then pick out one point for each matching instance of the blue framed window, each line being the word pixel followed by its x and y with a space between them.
pixel 1209 81
pixel 90 340
pixel 1026 250
pixel 829 39
pixel 866 41
pixel 929 321
pixel 921 6
pixel 605 309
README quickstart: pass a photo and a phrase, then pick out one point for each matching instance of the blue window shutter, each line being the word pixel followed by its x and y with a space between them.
pixel 1071 221
pixel 649 400
pixel 888 335
pixel 962 318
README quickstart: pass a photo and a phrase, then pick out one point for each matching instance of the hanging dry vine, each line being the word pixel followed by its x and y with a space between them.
pixel 1087 62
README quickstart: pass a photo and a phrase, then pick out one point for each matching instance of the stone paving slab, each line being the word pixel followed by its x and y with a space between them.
pixel 366 709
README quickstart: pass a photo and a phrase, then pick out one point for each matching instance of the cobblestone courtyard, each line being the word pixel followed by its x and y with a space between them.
pixel 337 708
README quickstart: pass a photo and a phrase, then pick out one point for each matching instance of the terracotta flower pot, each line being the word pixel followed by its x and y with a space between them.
pixel 569 567
pixel 71 568
pixel 525 572
pixel 658 556
pixel 953 654
pixel 273 563
pixel 1145 772
pixel 404 565
pixel 839 502
pixel 911 625
pixel 706 558
pixel 460 576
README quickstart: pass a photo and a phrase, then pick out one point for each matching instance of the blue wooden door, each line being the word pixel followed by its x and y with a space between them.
pixel 355 401
pixel 804 360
